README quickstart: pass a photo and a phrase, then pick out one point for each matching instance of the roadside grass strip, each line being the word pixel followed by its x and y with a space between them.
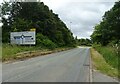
pixel 110 55
pixel 14 52
pixel 99 63
pixel 0 53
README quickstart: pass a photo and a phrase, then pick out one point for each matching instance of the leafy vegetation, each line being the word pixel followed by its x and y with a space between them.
pixel 106 37
pixel 108 29
pixel 0 53
pixel 110 55
pixel 8 51
pixel 44 41
pixel 99 63
pixel 16 52
pixel 51 32
pixel 84 42
pixel 24 16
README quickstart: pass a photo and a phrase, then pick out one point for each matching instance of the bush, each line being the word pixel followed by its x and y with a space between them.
pixel 109 54
pixel 44 41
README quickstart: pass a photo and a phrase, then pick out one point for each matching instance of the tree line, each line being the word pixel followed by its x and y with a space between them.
pixel 22 16
pixel 108 30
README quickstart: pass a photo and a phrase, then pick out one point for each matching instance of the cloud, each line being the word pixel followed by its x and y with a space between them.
pixel 80 16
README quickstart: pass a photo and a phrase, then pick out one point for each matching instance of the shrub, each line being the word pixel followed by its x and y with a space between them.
pixel 44 41
pixel 109 55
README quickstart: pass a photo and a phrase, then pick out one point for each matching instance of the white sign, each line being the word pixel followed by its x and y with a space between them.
pixel 23 38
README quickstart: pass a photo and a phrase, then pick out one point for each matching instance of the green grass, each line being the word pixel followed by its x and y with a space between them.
pixel 9 51
pixel 14 52
pixel 100 64
pixel 0 52
pixel 110 55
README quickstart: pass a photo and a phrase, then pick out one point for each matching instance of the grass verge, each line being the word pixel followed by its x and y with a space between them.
pixel 12 53
pixel 110 55
pixel 100 64
pixel 0 53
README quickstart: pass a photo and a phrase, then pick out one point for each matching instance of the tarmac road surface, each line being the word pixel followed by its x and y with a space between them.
pixel 66 66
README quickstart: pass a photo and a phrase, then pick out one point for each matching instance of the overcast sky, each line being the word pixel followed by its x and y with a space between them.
pixel 80 16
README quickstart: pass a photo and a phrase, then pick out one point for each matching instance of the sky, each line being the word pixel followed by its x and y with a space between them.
pixel 80 16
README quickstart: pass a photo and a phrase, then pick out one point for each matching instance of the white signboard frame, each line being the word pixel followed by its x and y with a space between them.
pixel 23 38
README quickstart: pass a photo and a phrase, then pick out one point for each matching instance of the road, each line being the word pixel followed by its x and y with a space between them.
pixel 66 66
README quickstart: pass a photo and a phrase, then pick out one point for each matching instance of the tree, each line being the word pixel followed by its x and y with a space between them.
pixel 86 42
pixel 24 16
pixel 108 29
